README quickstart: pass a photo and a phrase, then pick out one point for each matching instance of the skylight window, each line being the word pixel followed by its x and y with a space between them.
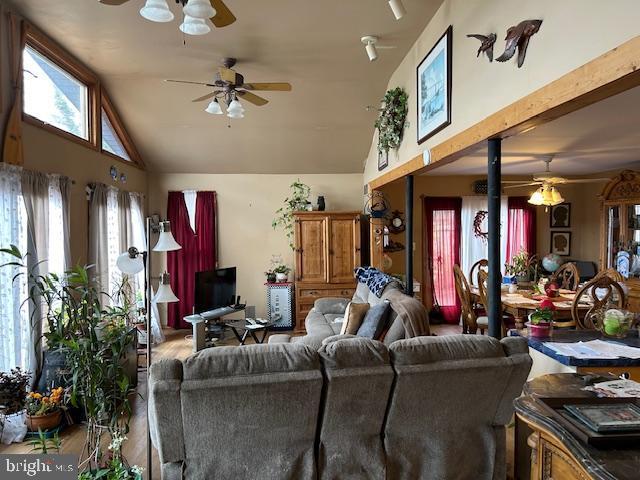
pixel 54 96
pixel 110 141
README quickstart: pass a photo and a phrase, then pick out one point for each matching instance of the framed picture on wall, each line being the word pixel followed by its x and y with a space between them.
pixel 383 160
pixel 561 243
pixel 560 216
pixel 434 88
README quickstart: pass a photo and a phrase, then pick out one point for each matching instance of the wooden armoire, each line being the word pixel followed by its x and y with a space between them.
pixel 328 246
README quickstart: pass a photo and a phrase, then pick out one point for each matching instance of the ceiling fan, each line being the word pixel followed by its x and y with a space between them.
pixel 548 194
pixel 228 85
pixel 195 13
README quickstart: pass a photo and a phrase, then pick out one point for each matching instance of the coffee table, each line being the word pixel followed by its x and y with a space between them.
pixel 243 329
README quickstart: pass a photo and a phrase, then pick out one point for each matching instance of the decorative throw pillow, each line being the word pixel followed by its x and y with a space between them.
pixel 353 316
pixel 375 321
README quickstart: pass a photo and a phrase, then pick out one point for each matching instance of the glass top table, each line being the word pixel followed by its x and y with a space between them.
pixel 243 329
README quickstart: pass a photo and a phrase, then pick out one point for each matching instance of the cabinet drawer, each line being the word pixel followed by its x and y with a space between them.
pixel 313 293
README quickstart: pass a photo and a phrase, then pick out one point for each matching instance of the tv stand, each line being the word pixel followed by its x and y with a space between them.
pixel 198 323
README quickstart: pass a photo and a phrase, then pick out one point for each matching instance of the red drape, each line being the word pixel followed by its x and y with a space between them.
pixel 521 228
pixel 198 251
pixel 443 240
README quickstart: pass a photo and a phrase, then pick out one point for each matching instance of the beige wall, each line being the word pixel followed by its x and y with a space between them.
pixel 246 206
pixel 585 215
pixel 573 33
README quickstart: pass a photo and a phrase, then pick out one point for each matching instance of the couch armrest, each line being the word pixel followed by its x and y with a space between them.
pixel 331 305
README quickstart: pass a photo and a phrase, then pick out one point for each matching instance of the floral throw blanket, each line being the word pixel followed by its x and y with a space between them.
pixel 374 279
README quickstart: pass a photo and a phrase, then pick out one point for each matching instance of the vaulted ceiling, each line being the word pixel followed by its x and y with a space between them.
pixel 322 126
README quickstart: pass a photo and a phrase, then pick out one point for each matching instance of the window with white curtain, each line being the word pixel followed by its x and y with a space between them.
pixel 56 262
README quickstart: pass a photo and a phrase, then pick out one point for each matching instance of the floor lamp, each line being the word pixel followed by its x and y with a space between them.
pixel 133 262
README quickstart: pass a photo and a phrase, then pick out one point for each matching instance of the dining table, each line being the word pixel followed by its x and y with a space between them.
pixel 523 302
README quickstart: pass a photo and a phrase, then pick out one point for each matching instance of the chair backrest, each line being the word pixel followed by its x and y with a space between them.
pixel 469 319
pixel 482 277
pixel 458 383
pixel 567 276
pixel 482 264
pixel 603 291
pixel 612 273
pixel 358 378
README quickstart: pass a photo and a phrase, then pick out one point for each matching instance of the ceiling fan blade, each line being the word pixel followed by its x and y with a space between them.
pixel 223 16
pixel 274 87
pixel 204 97
pixel 514 181
pixel 588 180
pixel 113 2
pixel 190 83
pixel 523 185
pixel 253 98
pixel 228 75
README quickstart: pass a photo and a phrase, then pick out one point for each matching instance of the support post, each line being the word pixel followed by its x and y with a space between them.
pixel 409 234
pixel 147 305
pixel 494 174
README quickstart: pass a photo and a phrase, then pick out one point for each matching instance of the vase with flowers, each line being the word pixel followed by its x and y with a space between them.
pixel 522 266
pixel 44 410
pixel 540 322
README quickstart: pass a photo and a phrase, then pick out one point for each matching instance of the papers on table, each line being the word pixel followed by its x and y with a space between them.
pixel 595 349
pixel 616 389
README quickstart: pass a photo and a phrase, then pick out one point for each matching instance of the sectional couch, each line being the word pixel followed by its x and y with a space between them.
pixel 422 408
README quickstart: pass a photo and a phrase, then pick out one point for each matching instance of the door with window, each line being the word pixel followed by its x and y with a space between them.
pixel 442 226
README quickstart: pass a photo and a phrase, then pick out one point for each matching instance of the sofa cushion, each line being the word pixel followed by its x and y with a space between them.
pixel 250 359
pixel 412 351
pixel 353 317
pixel 348 352
pixel 375 321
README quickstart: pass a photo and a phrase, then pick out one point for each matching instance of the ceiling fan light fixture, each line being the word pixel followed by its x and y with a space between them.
pixel 199 9
pixel 537 197
pixel 237 114
pixel 194 26
pixel 235 107
pixel 556 197
pixel 214 108
pixel 370 47
pixel 397 8
pixel 157 11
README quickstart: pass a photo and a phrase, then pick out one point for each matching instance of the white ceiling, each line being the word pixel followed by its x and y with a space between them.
pixel 320 127
pixel 599 138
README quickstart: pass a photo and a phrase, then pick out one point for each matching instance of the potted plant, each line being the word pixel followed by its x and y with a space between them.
pixel 298 201
pixel 520 266
pixel 282 273
pixel 271 276
pixel 540 322
pixel 44 411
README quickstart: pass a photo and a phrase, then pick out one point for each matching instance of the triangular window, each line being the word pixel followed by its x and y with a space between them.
pixel 110 140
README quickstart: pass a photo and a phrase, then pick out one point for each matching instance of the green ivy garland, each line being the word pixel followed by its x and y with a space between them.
pixel 390 123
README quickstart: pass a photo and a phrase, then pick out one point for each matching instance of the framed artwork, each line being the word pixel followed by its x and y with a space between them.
pixel 560 216
pixel 383 160
pixel 434 88
pixel 561 243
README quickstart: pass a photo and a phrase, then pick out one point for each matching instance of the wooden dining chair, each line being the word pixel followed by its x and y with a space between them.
pixel 469 316
pixel 482 264
pixel 507 321
pixel 612 273
pixel 603 291
pixel 567 276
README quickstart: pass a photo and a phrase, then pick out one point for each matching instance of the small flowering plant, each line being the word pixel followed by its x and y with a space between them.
pixel 544 313
pixel 42 404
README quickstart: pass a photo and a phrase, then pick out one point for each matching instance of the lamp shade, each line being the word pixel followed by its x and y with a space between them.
pixel 156 11
pixel 194 26
pixel 199 9
pixel 235 106
pixel 130 262
pixel 166 242
pixel 536 197
pixel 164 293
pixel 214 108
pixel 235 114
pixel 556 198
pixel 371 52
pixel 398 8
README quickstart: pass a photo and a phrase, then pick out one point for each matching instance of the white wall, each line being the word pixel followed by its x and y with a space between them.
pixel 573 33
pixel 246 206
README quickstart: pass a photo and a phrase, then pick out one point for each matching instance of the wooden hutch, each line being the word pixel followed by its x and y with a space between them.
pixel 328 247
pixel 620 230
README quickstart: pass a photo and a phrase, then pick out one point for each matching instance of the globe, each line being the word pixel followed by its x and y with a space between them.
pixel 551 262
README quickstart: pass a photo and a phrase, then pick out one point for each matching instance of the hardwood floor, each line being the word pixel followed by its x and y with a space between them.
pixel 177 345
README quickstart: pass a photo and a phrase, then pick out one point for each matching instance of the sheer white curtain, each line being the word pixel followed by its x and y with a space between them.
pixel 15 332
pixel 472 247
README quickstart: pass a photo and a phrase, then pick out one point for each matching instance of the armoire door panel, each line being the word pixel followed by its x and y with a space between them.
pixel 344 248
pixel 311 260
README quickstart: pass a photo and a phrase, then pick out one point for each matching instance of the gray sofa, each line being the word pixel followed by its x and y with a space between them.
pixel 408 316
pixel 426 407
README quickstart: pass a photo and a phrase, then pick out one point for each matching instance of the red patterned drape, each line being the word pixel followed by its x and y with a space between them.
pixel 198 251
pixel 521 228
pixel 443 227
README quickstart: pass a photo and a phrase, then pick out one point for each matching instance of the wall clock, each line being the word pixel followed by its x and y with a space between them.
pixel 396 222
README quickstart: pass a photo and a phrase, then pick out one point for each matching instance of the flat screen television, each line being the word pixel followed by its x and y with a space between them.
pixel 215 289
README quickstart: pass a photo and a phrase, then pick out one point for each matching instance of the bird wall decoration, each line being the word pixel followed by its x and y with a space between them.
pixel 486 44
pixel 518 39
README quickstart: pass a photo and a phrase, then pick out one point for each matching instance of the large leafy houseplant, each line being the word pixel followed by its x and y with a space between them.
pixel 296 202
pixel 94 339
pixel 390 122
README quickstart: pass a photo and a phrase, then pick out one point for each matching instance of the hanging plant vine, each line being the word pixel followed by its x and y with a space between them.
pixel 390 123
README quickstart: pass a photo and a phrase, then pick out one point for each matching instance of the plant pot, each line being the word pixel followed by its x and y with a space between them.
pixel 282 277
pixel 522 279
pixel 45 422
pixel 271 278
pixel 540 330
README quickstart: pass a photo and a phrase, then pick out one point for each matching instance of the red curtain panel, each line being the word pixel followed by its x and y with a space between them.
pixel 521 228
pixel 198 251
pixel 443 227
